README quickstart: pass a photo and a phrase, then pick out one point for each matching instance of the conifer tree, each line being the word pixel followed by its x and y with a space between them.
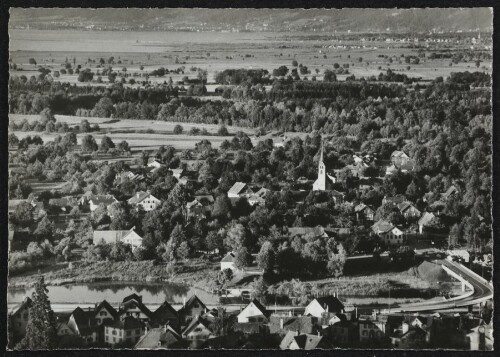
pixel 40 331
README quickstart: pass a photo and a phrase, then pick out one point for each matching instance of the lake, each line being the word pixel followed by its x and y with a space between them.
pixel 114 292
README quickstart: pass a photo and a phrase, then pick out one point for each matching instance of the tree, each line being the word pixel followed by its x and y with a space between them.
pixel 45 229
pixel 32 61
pixel 106 144
pixel 224 277
pixel 336 258
pixel 329 76
pixel 41 332
pixel 223 131
pixel 13 140
pixel 242 258
pixel 46 116
pixel 89 144
pixel 103 108
pixel 266 257
pixel 236 237
pixel 222 207
pixel 178 129
pixel 295 63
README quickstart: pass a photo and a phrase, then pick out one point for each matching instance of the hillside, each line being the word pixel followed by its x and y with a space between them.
pixel 356 20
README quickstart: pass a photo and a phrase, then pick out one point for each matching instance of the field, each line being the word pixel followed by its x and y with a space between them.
pixel 214 52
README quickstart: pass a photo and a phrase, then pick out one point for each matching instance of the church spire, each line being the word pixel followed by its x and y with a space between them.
pixel 321 152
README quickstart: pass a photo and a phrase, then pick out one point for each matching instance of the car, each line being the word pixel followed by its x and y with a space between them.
pixel 245 295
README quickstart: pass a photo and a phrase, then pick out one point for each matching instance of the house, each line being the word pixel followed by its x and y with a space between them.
pixel 396 200
pixel 302 231
pixel 82 323
pixel 343 332
pixel 155 163
pixel 399 158
pixel 197 332
pixel 281 324
pixel 200 206
pixel 109 237
pixel 408 337
pixel 132 306
pixel 364 212
pixel 239 189
pixel 128 176
pixel 408 210
pixel 388 233
pixel 177 173
pixel 295 341
pixel 63 328
pixel 18 318
pixel 144 200
pixel 132 239
pixel 324 182
pixel 97 200
pixel 126 331
pixel 165 314
pixel 426 218
pixel 63 204
pixel 253 312
pixel 258 197
pixel 164 337
pixel 450 192
pixel 104 312
pixel 228 262
pixel 320 305
pixel 192 308
pixel 377 327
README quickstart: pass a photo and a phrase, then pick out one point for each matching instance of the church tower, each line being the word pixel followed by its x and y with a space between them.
pixel 324 181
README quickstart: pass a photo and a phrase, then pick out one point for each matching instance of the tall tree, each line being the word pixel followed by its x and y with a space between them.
pixel 40 331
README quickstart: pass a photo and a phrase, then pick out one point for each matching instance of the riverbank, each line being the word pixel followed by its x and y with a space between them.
pixel 200 274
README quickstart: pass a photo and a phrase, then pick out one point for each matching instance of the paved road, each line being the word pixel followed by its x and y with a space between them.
pixel 483 291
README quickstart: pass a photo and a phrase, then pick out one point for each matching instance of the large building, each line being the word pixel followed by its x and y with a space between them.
pixel 324 182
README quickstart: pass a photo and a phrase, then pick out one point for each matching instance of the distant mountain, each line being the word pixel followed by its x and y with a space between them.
pixel 356 20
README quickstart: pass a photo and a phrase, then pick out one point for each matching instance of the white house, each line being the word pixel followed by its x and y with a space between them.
pixel 228 262
pixel 132 239
pixel 253 312
pixel 323 304
pixel 424 220
pixel 155 163
pixel 97 200
pixel 239 189
pixel 145 200
pixel 388 233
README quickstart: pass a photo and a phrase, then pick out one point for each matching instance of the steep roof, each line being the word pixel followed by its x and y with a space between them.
pixel 382 226
pixel 106 305
pixel 133 296
pixel 102 199
pixel 237 188
pixel 259 306
pixel 228 258
pixel 195 322
pixel 360 207
pixel 304 341
pixel 195 202
pixel 330 301
pixel 25 303
pixel 138 197
pixel 317 231
pixel 426 218
pixel 134 303
pixel 162 337
pixel 109 236
pixel 192 300
pixel 84 320
pixel 403 206
pixel 164 312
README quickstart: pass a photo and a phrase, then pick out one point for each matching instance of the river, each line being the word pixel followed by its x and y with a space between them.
pixel 114 292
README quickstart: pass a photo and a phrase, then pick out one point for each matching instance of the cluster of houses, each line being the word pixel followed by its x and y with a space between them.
pixel 324 323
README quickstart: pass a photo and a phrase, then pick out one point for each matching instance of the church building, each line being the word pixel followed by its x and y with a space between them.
pixel 324 182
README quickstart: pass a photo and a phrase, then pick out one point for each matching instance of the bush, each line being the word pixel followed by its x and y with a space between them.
pixel 178 129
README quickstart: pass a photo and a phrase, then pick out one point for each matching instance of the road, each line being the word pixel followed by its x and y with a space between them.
pixel 482 291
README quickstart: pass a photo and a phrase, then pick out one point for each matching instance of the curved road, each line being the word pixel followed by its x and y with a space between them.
pixel 482 291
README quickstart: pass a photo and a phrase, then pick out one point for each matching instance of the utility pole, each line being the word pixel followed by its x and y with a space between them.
pixel 389 299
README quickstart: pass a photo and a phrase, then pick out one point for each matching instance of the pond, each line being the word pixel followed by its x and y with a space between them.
pixel 153 293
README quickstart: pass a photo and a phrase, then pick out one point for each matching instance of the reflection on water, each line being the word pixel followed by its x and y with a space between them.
pixel 115 292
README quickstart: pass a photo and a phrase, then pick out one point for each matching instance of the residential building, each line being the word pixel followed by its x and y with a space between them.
pixel 144 200
pixel 97 200
pixel 253 312
pixel 155 163
pixel 132 306
pixel 239 189
pixel 197 332
pixel 126 332
pixel 18 318
pixel 192 308
pixel 394 199
pixel 63 328
pixel 324 182
pixel 164 337
pixel 399 158
pixel 320 305
pixel 63 204
pixel 129 237
pixel 132 239
pixel 388 233
pixel 408 210
pixel 228 262
pixel 450 192
pixel 426 218
pixel 364 212
pixel 104 312
pixel 83 324
pixel 295 341
pixel 165 314
pixel 281 324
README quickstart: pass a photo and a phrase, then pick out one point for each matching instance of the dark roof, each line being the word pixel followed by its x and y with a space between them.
pixel 259 306
pixel 162 337
pixel 304 324
pixel 164 313
pixel 195 322
pixel 128 323
pixel 131 303
pixel 84 320
pixel 382 226
pixel 105 305
pixel 333 304
pixel 133 296
pixel 25 303
pixel 304 341
pixel 191 301
pixel 102 199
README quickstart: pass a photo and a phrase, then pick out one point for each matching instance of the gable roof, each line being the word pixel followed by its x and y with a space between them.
pixel 330 301
pixel 426 218
pixel 106 305
pixel 452 189
pixel 109 236
pixel 361 207
pixel 134 303
pixel 102 199
pixel 317 231
pixel 139 197
pixel 304 341
pixel 382 226
pixel 403 206
pixel 398 153
pixel 133 296
pixel 26 303
pixel 191 301
pixel 162 337
pixel 228 258
pixel 195 322
pixel 237 188
pixel 164 311
pixel 195 202
pixel 258 305
pixel 84 320
pixel 395 199
pixel 205 199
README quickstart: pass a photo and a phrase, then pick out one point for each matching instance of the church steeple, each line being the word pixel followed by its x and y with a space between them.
pixel 324 181
pixel 321 153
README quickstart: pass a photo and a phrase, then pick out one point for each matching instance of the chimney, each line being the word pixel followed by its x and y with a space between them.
pixel 356 312
pixel 184 301
pixel 138 194
pixel 281 323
